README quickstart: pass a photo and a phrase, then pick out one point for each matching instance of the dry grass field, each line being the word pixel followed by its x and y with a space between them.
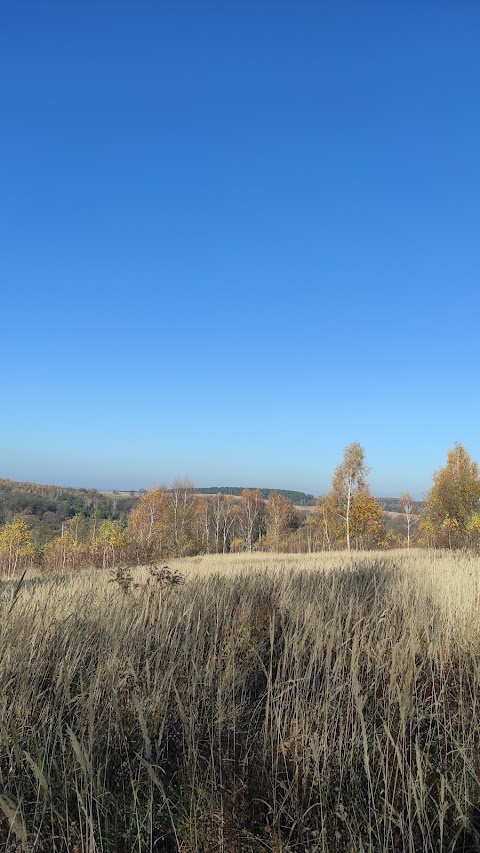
pixel 317 703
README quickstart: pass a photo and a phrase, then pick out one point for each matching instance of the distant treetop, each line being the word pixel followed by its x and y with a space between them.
pixel 301 498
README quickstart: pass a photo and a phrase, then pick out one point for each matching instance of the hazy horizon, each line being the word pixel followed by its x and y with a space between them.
pixel 102 487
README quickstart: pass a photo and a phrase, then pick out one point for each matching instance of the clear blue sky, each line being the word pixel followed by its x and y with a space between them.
pixel 236 237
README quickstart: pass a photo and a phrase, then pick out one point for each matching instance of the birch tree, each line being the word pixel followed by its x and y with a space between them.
pixel 348 479
pixel 224 516
pixel 16 547
pixel 182 506
pixel 250 516
pixel 149 525
pixel 453 499
pixel 280 517
pixel 407 506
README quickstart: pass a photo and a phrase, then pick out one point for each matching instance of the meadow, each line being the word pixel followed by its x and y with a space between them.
pixel 322 703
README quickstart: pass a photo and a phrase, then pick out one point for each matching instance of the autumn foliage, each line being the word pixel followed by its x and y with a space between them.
pixel 452 507
pixel 176 521
pixel 16 548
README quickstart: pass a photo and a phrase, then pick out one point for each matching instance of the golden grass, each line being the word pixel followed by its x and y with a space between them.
pixel 323 702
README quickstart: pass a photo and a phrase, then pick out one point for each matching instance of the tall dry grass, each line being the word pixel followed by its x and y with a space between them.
pixel 274 702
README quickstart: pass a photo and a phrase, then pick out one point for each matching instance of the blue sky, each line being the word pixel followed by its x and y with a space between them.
pixel 236 237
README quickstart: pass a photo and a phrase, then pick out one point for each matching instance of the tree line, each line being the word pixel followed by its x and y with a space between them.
pixel 177 521
pixel 299 498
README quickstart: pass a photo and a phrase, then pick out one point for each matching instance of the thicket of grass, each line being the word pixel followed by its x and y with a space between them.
pixel 286 704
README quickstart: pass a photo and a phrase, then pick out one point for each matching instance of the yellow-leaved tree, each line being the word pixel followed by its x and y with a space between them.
pixel 149 526
pixel 66 552
pixel 453 501
pixel 367 520
pixel 349 516
pixel 280 517
pixel 111 543
pixel 16 547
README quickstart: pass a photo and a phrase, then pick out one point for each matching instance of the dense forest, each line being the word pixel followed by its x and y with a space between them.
pixel 46 508
pixel 62 529
pixel 298 498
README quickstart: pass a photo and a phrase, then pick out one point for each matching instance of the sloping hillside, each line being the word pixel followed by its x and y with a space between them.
pixel 46 508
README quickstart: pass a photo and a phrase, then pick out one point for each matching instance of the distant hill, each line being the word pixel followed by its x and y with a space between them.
pixel 299 498
pixel 46 508
pixel 393 505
